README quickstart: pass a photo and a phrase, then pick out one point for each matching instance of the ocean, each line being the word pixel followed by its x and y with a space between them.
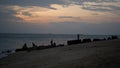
pixel 11 41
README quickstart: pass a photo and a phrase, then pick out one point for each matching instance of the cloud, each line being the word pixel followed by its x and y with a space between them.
pixel 7 15
pixel 91 11
pixel 17 13
pixel 95 14
pixel 41 14
pixel 112 7
pixel 26 14
pixel 47 3
pixel 38 14
pixel 93 5
pixel 65 17
pixel 80 2
pixel 69 17
pixel 42 3
pixel 103 9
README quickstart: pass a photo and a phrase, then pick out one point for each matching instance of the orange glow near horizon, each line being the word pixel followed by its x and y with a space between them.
pixel 71 13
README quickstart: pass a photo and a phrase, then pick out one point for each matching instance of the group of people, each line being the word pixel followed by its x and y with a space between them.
pixel 52 43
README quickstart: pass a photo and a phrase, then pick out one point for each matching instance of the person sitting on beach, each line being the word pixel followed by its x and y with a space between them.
pixel 34 46
pixel 54 44
pixel 25 47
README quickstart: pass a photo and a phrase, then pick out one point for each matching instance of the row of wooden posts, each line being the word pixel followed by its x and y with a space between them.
pixel 86 40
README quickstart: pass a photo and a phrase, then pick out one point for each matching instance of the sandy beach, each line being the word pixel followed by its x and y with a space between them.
pixel 101 54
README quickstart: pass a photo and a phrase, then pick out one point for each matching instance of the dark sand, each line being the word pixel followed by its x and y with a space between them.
pixel 102 54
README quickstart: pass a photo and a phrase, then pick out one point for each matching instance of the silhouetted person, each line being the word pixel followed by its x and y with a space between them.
pixel 51 42
pixel 78 36
pixel 54 44
pixel 25 47
pixel 34 46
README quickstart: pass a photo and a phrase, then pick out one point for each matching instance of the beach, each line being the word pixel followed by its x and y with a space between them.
pixel 100 54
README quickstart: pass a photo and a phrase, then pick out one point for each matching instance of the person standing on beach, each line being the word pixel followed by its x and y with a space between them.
pixel 51 42
pixel 78 36
pixel 25 47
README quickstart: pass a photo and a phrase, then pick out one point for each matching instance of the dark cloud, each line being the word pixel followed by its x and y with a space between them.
pixel 47 3
pixel 80 2
pixel 31 2
pixel 95 14
pixel 8 16
pixel 26 14
pixel 115 7
pixel 65 17
pixel 69 17
pixel 96 9
pixel 102 6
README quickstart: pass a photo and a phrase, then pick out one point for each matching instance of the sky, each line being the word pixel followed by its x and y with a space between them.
pixel 60 16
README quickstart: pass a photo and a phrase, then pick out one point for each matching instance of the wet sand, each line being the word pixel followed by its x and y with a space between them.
pixel 102 54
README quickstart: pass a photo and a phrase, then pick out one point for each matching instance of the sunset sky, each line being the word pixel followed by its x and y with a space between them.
pixel 60 16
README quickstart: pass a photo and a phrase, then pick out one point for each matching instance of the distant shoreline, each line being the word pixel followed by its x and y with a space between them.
pixel 61 34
